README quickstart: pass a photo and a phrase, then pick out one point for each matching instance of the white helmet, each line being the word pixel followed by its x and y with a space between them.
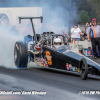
pixel 57 40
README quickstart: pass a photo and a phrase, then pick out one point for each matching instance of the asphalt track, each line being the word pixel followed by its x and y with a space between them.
pixel 57 85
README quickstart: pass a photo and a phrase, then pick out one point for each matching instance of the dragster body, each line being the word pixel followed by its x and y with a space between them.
pixel 60 59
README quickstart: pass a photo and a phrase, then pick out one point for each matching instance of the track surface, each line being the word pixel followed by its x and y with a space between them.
pixel 58 85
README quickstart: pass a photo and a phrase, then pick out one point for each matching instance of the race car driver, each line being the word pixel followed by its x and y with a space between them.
pixel 57 43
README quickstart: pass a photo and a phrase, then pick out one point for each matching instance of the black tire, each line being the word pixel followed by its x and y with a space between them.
pixel 83 69
pixel 21 55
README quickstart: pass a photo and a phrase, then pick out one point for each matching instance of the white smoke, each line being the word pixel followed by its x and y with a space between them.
pixel 58 15
pixel 55 18
pixel 7 42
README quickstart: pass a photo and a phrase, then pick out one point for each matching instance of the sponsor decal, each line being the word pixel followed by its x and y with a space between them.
pixel 46 65
pixel 73 68
pixel 42 59
pixel 70 67
pixel 67 66
pixel 78 70
pixel 41 62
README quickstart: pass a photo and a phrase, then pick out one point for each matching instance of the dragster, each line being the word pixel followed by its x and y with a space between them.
pixel 40 50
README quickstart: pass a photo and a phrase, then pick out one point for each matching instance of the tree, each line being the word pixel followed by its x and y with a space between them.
pixel 84 17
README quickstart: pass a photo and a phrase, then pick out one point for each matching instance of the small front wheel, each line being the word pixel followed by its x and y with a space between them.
pixel 83 69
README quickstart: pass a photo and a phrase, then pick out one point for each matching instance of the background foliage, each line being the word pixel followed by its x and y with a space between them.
pixel 86 9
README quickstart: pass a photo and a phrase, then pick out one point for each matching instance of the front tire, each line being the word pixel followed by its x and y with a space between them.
pixel 83 69
pixel 21 55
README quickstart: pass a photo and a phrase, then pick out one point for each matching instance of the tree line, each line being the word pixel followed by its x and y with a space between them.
pixel 86 9
pixel 89 9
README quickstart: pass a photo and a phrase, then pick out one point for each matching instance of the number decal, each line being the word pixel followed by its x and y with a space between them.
pixel 48 56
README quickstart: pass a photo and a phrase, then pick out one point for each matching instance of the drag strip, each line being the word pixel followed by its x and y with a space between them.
pixel 57 85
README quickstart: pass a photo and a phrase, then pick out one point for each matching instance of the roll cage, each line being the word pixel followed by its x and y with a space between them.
pixel 50 39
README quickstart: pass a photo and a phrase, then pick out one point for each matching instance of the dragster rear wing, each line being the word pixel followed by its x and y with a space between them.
pixel 30 18
pixel 32 24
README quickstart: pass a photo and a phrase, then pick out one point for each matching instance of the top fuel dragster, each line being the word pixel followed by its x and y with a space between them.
pixel 40 49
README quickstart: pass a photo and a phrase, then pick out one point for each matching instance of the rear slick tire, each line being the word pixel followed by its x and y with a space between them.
pixel 21 55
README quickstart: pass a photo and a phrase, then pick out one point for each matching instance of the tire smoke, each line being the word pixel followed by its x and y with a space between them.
pixel 7 42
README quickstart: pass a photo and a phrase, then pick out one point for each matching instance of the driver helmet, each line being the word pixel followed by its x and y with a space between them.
pixel 57 41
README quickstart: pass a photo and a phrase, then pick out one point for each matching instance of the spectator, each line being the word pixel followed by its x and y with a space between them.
pixel 65 34
pixel 93 34
pixel 76 33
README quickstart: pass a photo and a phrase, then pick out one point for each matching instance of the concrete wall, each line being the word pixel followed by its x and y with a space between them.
pixel 15 12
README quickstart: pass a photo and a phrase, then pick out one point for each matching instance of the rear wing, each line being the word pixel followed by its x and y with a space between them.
pixel 20 18
pixel 30 18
